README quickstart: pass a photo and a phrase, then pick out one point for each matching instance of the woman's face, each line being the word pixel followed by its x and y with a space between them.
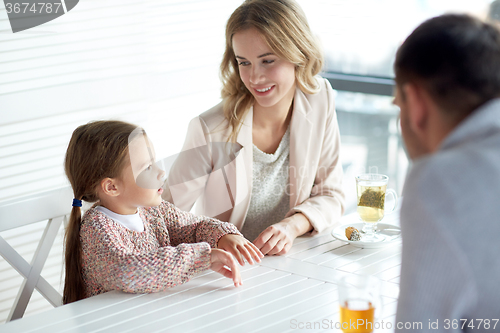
pixel 270 79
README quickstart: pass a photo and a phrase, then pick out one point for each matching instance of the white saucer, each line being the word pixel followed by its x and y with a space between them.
pixel 391 234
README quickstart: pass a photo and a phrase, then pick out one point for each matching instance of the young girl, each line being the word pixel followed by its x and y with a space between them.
pixel 130 239
pixel 286 179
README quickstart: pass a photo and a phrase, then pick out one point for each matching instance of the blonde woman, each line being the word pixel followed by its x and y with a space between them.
pixel 271 159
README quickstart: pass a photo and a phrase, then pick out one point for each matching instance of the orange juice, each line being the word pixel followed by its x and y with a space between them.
pixel 357 316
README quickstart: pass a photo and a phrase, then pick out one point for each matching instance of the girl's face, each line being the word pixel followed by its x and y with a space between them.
pixel 270 79
pixel 141 179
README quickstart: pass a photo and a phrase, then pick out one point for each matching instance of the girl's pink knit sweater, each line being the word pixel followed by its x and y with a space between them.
pixel 174 246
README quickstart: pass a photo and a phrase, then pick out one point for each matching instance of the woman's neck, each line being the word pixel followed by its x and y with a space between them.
pixel 276 117
pixel 270 124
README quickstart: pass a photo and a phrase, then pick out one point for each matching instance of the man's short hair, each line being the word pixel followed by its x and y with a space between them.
pixel 457 60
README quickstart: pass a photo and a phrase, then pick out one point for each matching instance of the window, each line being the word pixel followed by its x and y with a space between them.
pixel 360 39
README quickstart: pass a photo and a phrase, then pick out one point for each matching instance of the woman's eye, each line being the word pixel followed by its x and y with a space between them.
pixel 243 63
pixel 268 61
pixel 149 167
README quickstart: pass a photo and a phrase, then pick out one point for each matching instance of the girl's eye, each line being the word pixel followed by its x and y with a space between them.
pixel 149 167
pixel 243 63
pixel 268 61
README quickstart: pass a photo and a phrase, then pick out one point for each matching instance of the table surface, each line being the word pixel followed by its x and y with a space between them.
pixel 296 292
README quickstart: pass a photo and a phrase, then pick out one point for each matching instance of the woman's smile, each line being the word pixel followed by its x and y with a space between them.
pixel 269 78
pixel 264 91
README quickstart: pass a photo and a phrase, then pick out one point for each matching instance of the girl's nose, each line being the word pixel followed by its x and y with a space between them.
pixel 161 174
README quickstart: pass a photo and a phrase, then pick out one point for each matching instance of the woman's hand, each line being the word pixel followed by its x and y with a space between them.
pixel 240 246
pixel 278 238
pixel 219 259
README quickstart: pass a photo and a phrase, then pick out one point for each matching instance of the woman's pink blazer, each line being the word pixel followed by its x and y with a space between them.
pixel 224 191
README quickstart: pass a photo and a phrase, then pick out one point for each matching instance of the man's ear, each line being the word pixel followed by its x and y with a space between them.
pixel 110 187
pixel 417 107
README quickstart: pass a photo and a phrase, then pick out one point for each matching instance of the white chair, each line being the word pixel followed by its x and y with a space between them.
pixel 54 206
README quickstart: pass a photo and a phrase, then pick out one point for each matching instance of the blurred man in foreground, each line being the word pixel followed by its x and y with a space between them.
pixel 448 84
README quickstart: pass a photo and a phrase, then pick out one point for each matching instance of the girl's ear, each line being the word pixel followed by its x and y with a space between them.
pixel 109 186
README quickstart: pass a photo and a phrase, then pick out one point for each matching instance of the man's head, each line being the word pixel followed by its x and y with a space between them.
pixel 446 69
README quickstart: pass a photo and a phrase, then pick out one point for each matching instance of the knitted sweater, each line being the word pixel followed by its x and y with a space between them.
pixel 173 247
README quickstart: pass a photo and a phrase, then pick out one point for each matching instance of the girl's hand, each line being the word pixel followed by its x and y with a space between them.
pixel 238 246
pixel 278 238
pixel 219 259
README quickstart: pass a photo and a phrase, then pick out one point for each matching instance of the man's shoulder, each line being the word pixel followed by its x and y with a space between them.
pixel 467 158
pixel 433 180
pixel 436 169
pixel 450 182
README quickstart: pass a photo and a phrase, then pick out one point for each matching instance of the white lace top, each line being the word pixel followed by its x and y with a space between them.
pixel 270 194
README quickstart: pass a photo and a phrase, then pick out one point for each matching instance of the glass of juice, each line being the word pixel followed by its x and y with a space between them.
pixel 371 189
pixel 359 297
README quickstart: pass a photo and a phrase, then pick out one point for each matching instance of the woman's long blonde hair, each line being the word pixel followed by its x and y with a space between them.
pixel 284 27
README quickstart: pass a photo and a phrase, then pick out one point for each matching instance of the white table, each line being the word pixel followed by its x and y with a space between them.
pixel 280 294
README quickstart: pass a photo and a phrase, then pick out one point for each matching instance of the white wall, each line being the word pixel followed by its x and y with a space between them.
pixel 154 63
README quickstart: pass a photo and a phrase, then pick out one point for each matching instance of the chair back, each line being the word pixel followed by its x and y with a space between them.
pixel 53 206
